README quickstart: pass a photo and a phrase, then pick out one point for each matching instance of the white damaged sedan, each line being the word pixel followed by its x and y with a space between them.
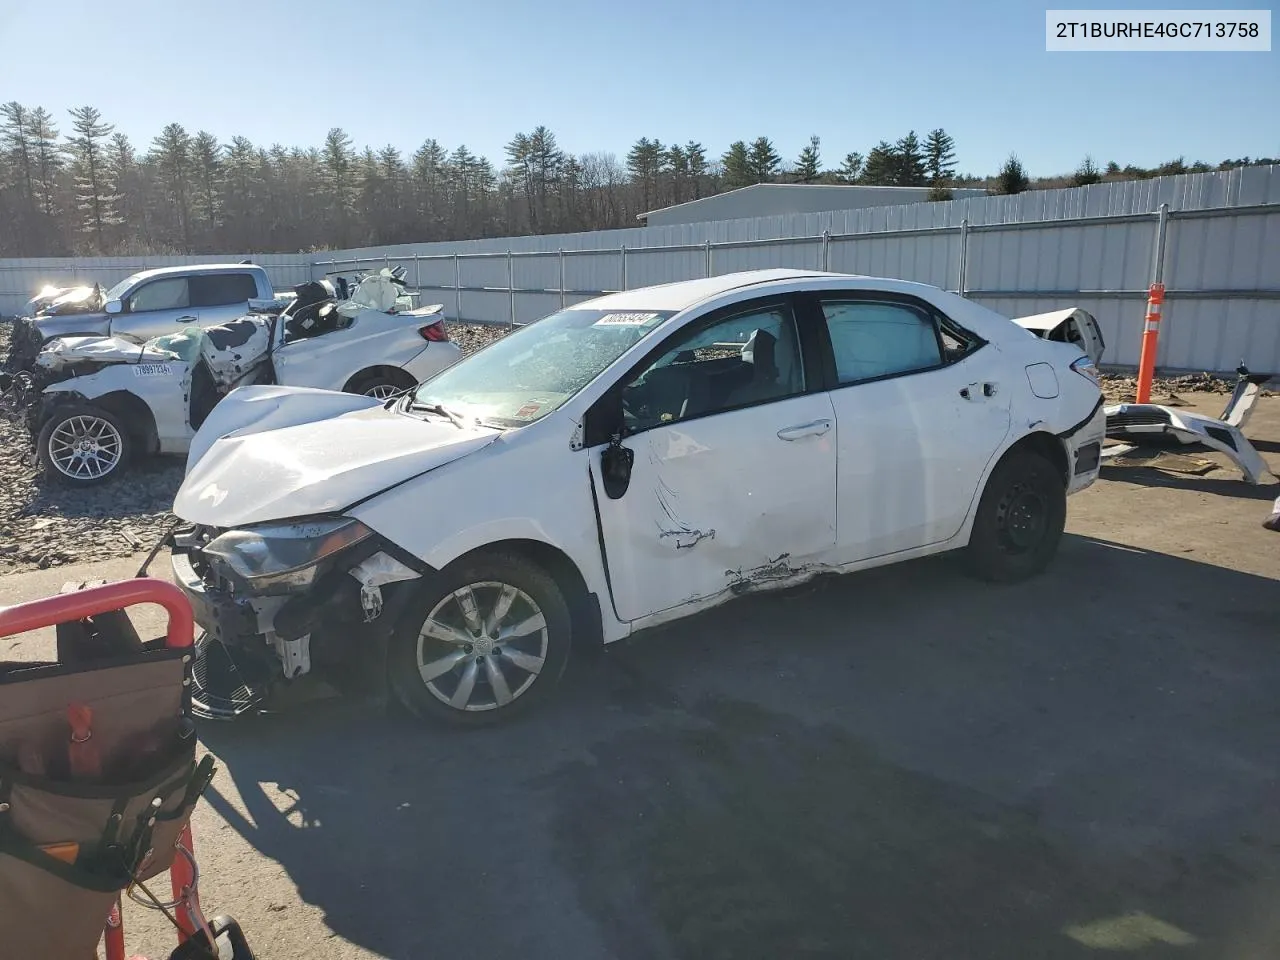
pixel 622 463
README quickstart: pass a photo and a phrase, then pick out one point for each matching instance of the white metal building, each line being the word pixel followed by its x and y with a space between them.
pixel 771 199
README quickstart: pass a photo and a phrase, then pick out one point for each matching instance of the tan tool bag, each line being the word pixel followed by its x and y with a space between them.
pixel 68 844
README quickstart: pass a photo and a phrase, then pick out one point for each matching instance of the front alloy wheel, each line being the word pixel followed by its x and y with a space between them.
pixel 83 445
pixel 482 646
pixel 488 638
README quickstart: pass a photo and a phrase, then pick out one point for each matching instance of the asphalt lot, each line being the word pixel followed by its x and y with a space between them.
pixel 899 763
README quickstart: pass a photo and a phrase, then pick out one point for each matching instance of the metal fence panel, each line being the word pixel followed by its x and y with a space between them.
pixel 1090 246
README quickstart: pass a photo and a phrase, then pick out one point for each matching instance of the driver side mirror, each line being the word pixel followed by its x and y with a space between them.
pixel 113 307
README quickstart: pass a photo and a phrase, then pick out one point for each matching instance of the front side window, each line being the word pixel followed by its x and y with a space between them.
pixel 167 294
pixel 748 358
pixel 873 339
pixel 535 369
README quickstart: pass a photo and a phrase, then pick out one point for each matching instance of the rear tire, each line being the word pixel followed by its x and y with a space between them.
pixel 82 445
pixel 487 639
pixel 1020 519
pixel 381 384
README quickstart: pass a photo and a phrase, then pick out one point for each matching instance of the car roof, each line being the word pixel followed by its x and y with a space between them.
pixel 683 294
pixel 197 268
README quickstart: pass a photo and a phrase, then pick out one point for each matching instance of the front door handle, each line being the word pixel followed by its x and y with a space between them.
pixel 181 319
pixel 815 429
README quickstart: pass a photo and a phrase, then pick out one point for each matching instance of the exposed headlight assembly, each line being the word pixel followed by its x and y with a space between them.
pixel 284 557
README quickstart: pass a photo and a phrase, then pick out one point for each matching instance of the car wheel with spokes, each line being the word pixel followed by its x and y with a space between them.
pixel 488 639
pixel 382 384
pixel 82 445
pixel 1020 519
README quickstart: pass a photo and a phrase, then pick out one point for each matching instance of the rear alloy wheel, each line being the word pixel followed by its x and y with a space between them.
pixel 487 641
pixel 383 386
pixel 1020 519
pixel 83 445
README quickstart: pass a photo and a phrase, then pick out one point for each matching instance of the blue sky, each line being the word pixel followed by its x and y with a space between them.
pixel 601 75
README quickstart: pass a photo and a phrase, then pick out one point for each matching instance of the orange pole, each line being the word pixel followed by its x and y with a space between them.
pixel 1150 341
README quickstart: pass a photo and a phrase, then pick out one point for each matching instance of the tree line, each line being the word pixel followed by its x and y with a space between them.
pixel 90 191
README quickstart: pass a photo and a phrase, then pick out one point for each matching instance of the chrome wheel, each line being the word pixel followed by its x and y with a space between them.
pixel 382 391
pixel 482 646
pixel 85 447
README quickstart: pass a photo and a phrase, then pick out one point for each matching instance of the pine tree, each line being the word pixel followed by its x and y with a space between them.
pixel 206 169
pixel 94 201
pixel 337 162
pixel 171 156
pixel 1013 176
pixel 764 161
pixel 697 155
pixel 908 162
pixel 1086 173
pixel 644 163
pixel 881 167
pixel 809 164
pixel 851 168
pixel 939 157
pixel 48 159
pixel 738 171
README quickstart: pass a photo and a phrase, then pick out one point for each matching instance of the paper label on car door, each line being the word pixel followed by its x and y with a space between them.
pixel 626 320
pixel 152 370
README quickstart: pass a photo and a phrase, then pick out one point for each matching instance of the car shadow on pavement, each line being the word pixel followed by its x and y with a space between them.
pixel 899 763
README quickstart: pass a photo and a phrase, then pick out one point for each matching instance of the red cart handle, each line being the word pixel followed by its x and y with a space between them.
pixel 67 607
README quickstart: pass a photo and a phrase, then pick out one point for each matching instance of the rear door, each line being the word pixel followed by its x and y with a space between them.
pixel 220 297
pixel 921 408
pixel 156 308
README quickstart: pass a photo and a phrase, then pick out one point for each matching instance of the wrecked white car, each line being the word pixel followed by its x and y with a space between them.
pixel 102 400
pixel 622 463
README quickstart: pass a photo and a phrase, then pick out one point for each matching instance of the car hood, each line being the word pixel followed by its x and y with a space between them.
pixel 66 350
pixel 273 453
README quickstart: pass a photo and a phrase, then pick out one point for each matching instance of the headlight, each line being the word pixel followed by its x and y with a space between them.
pixel 1086 368
pixel 284 557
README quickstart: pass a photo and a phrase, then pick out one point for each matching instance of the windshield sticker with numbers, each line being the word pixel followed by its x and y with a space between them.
pixel 627 319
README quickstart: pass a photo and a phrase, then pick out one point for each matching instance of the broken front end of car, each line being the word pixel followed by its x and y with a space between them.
pixel 276 599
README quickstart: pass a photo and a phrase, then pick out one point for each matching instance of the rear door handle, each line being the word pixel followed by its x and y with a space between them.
pixel 815 429
pixel 181 319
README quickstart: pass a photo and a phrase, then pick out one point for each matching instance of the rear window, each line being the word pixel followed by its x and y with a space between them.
pixel 219 289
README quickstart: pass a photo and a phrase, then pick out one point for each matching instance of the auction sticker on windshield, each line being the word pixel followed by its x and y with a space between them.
pixel 152 370
pixel 627 319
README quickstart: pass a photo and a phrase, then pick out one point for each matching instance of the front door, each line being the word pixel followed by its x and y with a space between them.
pixel 921 409
pixel 158 307
pixel 733 480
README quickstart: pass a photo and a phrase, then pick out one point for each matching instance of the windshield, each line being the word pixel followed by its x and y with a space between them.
pixel 119 288
pixel 533 370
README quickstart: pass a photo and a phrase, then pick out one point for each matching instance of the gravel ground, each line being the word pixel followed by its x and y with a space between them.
pixel 43 524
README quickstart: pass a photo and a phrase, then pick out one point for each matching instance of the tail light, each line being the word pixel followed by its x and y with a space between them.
pixel 435 332
pixel 1087 369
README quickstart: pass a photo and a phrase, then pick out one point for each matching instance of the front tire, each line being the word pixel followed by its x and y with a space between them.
pixel 487 639
pixel 82 445
pixel 1020 519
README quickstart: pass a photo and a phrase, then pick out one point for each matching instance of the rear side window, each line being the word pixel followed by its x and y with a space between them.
pixel 871 340
pixel 219 289
pixel 169 293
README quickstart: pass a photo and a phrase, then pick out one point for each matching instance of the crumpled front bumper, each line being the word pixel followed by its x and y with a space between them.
pixel 216 611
